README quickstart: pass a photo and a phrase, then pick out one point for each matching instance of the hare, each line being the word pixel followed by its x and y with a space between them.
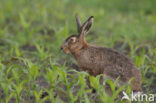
pixel 101 60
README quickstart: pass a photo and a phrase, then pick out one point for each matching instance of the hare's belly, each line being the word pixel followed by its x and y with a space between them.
pixel 95 65
pixel 95 68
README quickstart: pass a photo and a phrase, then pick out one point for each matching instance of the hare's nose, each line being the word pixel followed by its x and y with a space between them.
pixel 61 48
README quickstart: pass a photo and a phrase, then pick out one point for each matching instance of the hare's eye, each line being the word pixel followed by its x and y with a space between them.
pixel 73 40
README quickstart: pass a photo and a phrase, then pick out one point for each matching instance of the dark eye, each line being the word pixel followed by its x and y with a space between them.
pixel 73 40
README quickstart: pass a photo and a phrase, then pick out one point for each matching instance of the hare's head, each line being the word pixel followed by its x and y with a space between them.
pixel 77 41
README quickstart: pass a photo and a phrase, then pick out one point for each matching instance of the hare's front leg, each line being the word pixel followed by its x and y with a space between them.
pixel 107 87
pixel 88 83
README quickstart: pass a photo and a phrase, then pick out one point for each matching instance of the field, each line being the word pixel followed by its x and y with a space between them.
pixel 34 70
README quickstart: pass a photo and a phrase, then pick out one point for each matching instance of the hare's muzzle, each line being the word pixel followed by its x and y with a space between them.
pixel 61 48
pixel 65 49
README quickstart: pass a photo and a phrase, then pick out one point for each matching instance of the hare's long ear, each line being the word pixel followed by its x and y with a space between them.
pixel 78 23
pixel 86 26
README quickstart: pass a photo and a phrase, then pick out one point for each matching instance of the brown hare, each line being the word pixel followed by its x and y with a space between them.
pixel 101 60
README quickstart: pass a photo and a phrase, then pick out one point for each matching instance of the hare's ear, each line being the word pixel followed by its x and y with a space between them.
pixel 86 26
pixel 78 23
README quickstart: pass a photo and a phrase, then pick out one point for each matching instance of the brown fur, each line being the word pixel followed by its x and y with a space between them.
pixel 101 60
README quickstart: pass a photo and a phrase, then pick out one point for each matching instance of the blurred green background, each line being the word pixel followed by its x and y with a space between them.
pixel 32 31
